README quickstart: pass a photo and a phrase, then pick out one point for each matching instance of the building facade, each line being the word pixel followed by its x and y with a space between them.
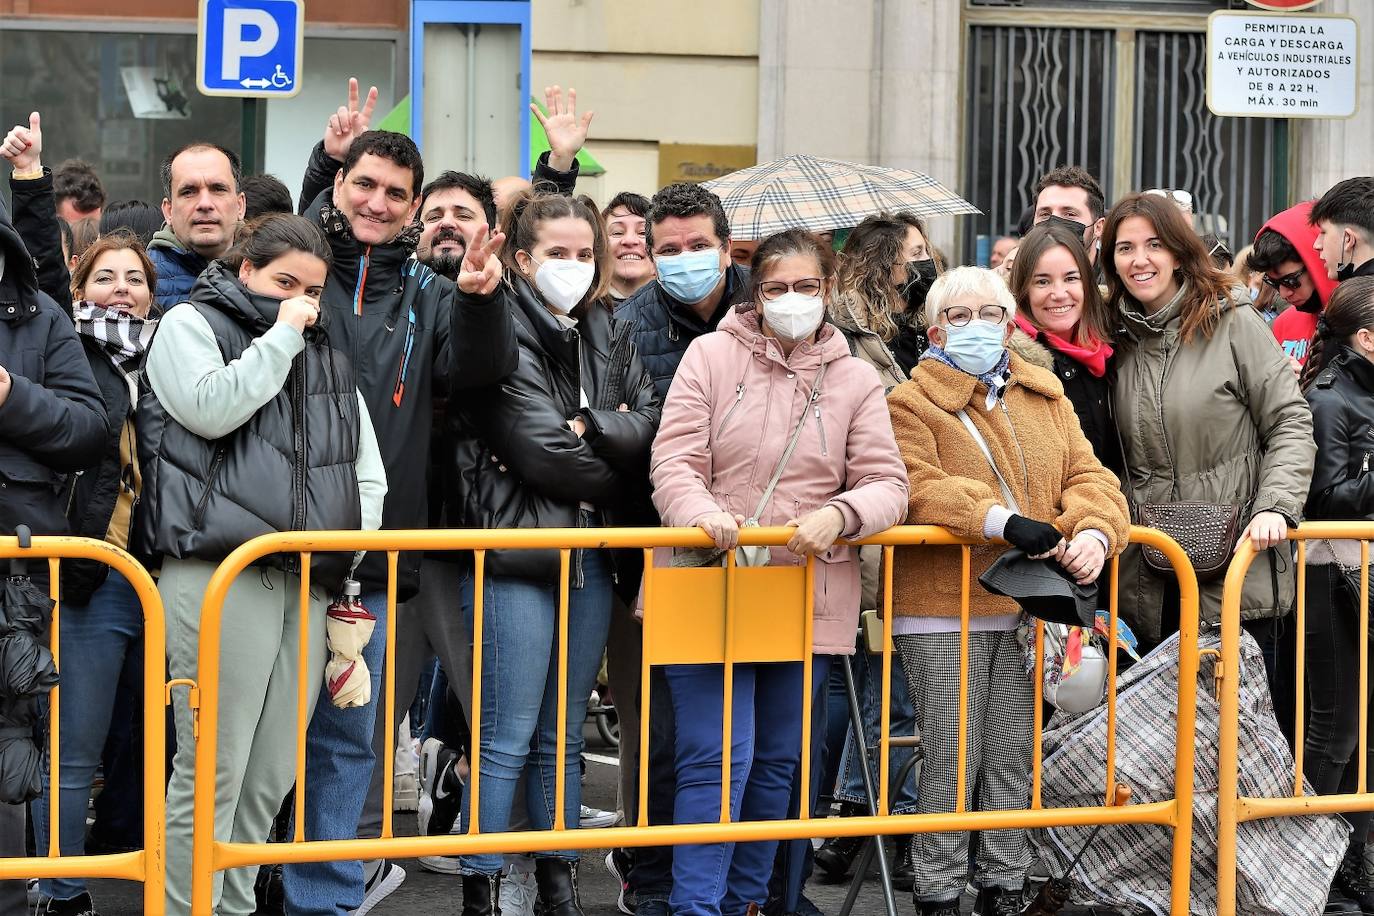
pixel 984 95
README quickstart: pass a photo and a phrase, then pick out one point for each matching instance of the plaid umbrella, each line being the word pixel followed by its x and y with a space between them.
pixel 825 194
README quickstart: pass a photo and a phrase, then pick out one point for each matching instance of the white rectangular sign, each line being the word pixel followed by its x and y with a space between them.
pixel 1282 65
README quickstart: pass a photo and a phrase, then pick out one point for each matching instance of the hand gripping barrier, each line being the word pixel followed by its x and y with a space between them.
pixel 146 865
pixel 1235 809
pixel 725 615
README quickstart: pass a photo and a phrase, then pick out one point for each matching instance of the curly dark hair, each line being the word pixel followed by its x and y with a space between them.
pixel 873 249
pixel 686 199
pixel 388 144
pixel 476 185
pixel 76 180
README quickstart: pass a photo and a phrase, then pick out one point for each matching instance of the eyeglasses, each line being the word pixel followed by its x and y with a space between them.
pixel 957 316
pixel 772 289
pixel 1290 281
pixel 1182 198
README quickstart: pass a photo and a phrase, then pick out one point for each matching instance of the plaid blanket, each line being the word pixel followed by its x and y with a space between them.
pixel 1128 867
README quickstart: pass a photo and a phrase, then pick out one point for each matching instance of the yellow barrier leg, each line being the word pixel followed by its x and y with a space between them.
pixel 808 613
pixel 302 697
pixel 479 569
pixel 389 685
pixel 960 780
pixel 564 683
pixel 727 717
pixel 54 717
pixel 885 735
pixel 645 669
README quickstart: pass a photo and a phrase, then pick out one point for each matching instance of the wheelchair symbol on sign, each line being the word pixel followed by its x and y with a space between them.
pixel 280 79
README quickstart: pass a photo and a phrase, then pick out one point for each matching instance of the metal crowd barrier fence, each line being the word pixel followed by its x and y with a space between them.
pixel 692 615
pixel 1233 808
pixel 147 865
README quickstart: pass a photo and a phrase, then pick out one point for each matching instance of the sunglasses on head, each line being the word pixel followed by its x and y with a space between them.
pixel 1291 281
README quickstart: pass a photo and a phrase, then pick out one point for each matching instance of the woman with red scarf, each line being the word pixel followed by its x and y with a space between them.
pixel 1059 305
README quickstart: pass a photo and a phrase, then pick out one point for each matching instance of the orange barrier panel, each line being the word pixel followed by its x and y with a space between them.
pixel 149 864
pixel 690 616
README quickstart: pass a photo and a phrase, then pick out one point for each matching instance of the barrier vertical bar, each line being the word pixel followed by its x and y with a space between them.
pixel 54 715
pixel 1300 651
pixel 1228 782
pixel 960 783
pixel 885 737
pixel 1186 733
pixel 389 686
pixel 1364 669
pixel 1112 617
pixel 479 567
pixel 727 718
pixel 564 682
pixel 808 610
pixel 154 743
pixel 302 698
pixel 1037 727
pixel 645 670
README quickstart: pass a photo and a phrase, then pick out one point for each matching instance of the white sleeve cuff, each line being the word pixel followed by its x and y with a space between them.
pixel 996 522
pixel 1093 532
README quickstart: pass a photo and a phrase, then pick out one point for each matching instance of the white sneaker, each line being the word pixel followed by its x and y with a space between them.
pixel 595 817
pixel 388 877
pixel 518 893
pixel 440 865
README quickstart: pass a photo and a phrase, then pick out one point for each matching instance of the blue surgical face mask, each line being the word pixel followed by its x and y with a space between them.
pixel 689 277
pixel 976 347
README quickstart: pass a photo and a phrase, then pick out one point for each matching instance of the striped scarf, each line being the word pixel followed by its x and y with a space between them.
pixel 121 335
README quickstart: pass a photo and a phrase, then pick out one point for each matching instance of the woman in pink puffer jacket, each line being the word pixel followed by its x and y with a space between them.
pixel 733 407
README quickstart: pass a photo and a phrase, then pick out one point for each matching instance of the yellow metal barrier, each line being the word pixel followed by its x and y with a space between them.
pixel 149 864
pixel 1234 809
pixel 690 616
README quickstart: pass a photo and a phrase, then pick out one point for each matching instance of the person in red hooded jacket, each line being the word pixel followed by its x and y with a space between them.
pixel 1283 252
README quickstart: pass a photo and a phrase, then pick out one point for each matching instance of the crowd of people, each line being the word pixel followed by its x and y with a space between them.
pixel 396 353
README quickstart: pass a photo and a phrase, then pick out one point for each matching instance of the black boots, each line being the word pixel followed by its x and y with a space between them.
pixel 480 893
pixel 997 901
pixel 557 880
pixel 939 908
pixel 1355 880
pixel 903 874
pixel 836 855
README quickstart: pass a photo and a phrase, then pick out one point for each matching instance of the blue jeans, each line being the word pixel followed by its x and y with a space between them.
pixel 715 878
pixel 520 682
pixel 868 677
pixel 94 641
pixel 338 768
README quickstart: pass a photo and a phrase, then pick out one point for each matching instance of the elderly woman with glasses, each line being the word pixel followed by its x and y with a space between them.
pixel 993 449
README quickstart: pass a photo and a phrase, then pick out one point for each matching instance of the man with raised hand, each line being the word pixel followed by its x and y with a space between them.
pixel 395 319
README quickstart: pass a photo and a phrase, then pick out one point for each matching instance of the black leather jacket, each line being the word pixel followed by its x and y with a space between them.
pixel 1342 401
pixel 521 425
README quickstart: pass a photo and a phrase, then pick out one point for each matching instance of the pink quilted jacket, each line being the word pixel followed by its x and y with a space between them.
pixel 732 408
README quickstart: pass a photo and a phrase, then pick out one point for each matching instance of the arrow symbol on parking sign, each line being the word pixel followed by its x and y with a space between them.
pixel 255 84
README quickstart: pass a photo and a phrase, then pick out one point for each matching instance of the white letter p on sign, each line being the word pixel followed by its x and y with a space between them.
pixel 236 47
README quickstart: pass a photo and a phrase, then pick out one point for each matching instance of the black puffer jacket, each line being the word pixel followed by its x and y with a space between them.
pixel 665 327
pixel 94 491
pixel 291 467
pixel 53 421
pixel 523 423
pixel 1342 401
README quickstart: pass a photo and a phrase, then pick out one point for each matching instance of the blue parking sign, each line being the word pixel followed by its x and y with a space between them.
pixel 250 48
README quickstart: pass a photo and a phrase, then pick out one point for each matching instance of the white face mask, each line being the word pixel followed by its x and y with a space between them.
pixel 563 283
pixel 794 317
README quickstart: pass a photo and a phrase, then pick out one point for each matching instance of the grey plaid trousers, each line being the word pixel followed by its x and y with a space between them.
pixel 998 763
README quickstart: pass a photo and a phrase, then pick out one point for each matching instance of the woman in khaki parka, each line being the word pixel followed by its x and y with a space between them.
pixel 1208 410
